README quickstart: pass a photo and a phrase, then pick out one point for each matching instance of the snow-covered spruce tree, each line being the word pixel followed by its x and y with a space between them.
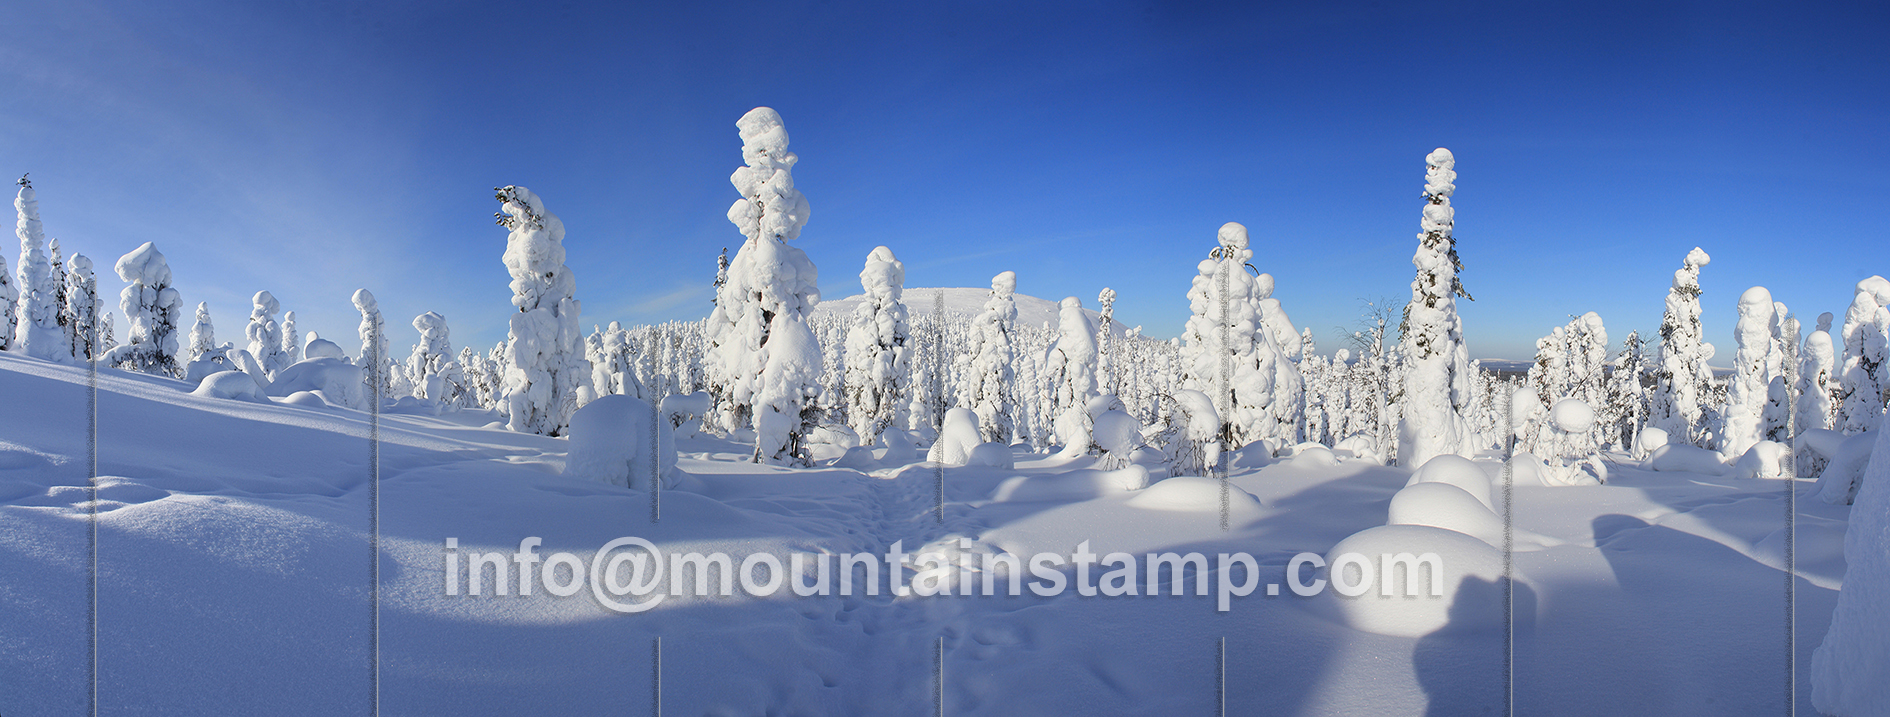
pixel 1588 361
pixel 548 369
pixel 991 357
pixel 9 302
pixel 1681 377
pixel 38 334
pixel 80 313
pixel 1752 373
pixel 431 367
pixel 1866 371
pixel 612 369
pixel 265 336
pixel 1626 397
pixel 1288 406
pixel 1070 371
pixel 291 350
pixel 107 338
pixel 154 310
pixel 762 352
pixel 203 335
pixel 1816 382
pixel 58 262
pixel 1226 353
pixel 373 358
pixel 1105 360
pixel 1437 381
pixel 878 350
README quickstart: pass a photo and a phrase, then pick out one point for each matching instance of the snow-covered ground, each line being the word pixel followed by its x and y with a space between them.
pixel 234 562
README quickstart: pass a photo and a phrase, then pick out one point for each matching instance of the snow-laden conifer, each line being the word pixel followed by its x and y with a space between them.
pixel 9 306
pixel 990 373
pixel 1070 370
pixel 1681 377
pixel 154 310
pixel 264 334
pixel 1437 377
pixel 879 350
pixel 373 359
pixel 1225 352
pixel 38 334
pixel 763 356
pixel 548 369
pixel 80 315
pixel 1865 374
pixel 431 367
pixel 203 335
pixel 1753 372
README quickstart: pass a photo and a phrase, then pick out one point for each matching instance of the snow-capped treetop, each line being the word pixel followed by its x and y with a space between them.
pixel 39 332
pixel 1233 237
pixel 203 334
pixel 883 277
pixel 1005 284
pixel 145 265
pixel 770 205
pixel 1824 321
pixel 534 251
pixel 1440 175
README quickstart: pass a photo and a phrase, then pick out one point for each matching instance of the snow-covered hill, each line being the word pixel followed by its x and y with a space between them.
pixel 233 564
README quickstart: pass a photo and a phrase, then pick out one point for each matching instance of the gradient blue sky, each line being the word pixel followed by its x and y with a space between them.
pixel 312 148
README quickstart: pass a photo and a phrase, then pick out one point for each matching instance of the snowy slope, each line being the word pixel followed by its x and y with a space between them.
pixel 234 562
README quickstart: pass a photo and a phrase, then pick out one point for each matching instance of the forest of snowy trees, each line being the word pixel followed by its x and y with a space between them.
pixel 803 385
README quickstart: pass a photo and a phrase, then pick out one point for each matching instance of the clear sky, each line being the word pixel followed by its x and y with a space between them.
pixel 312 148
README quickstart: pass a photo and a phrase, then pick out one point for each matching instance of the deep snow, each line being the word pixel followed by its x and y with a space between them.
pixel 233 572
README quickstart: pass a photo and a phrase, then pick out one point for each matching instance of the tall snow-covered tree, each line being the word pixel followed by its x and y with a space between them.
pixel 80 313
pixel 59 274
pixel 1070 370
pixel 154 310
pixel 548 369
pixel 291 350
pixel 265 335
pixel 1752 373
pixel 373 359
pixel 763 356
pixel 1817 382
pixel 879 350
pixel 107 338
pixel 990 373
pixel 1105 361
pixel 1627 398
pixel 431 367
pixel 1437 379
pixel 9 303
pixel 1288 406
pixel 38 334
pixel 1681 378
pixel 203 335
pixel 1226 354
pixel 1865 375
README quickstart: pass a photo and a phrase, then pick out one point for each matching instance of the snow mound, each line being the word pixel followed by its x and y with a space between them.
pixel 610 443
pixel 195 371
pixel 1652 439
pixel 993 455
pixel 1680 457
pixel 956 438
pixel 1848 669
pixel 1443 505
pixel 1314 456
pixel 336 379
pixel 1470 588
pixel 685 411
pixel 1194 494
pixel 234 385
pixel 307 399
pixel 1458 471
pixel 1764 459
pixel 1527 469
pixel 1082 484
pixel 323 348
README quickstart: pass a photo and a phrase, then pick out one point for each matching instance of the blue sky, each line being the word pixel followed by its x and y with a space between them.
pixel 312 148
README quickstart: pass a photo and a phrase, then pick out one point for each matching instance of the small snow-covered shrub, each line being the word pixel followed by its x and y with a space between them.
pixel 611 442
